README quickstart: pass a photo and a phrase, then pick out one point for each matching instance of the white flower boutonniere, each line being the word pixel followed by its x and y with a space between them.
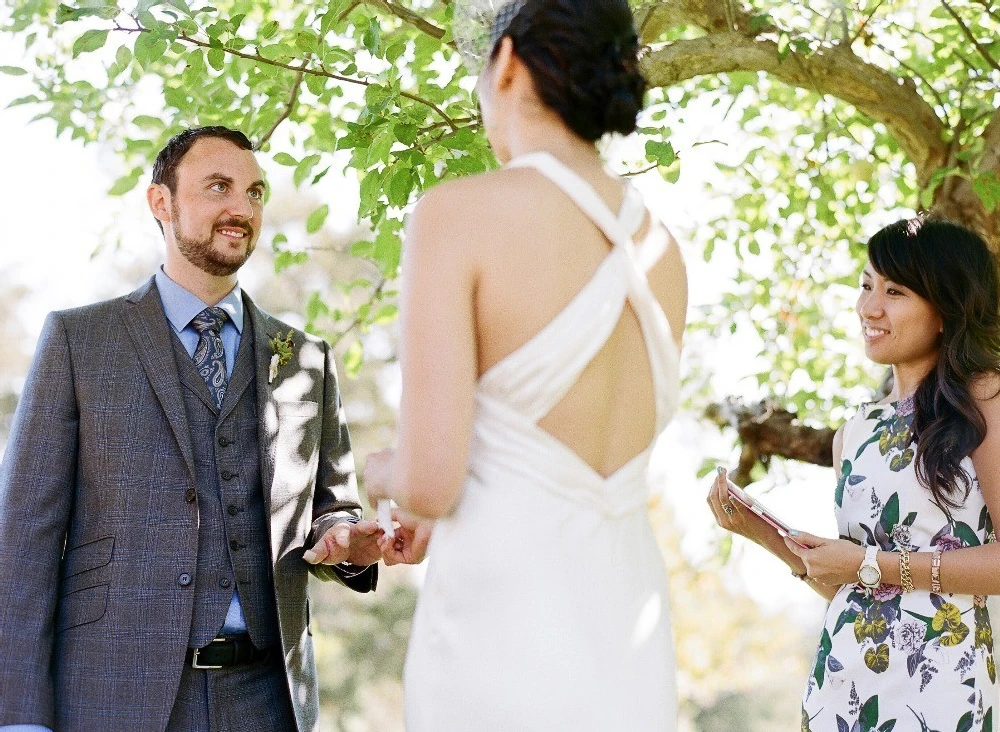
pixel 282 348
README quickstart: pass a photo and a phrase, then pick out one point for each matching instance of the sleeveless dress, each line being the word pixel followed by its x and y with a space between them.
pixel 919 661
pixel 545 605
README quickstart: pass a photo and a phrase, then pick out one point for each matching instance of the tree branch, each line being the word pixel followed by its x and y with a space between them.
pixel 257 58
pixel 768 430
pixel 967 32
pixel 409 17
pixel 376 294
pixel 289 107
pixel 836 71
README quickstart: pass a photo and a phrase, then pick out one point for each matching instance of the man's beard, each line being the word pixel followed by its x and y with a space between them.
pixel 202 254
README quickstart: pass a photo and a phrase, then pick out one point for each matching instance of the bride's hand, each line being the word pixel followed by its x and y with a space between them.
pixel 409 545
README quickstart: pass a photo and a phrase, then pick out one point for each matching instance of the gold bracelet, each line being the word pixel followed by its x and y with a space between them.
pixel 936 571
pixel 905 580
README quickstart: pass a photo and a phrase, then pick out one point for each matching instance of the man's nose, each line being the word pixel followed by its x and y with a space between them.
pixel 241 207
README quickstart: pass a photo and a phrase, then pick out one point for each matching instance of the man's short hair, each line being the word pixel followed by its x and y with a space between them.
pixel 165 167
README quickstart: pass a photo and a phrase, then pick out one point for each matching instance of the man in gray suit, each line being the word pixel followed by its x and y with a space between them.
pixel 176 457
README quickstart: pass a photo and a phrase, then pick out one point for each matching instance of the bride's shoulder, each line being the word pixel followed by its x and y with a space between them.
pixel 479 202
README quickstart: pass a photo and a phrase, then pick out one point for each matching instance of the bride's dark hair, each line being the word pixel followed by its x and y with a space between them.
pixel 954 270
pixel 583 58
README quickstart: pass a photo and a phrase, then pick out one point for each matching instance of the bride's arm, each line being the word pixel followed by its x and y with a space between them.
pixel 437 353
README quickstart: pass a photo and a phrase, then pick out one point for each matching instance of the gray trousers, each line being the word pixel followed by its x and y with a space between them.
pixel 251 698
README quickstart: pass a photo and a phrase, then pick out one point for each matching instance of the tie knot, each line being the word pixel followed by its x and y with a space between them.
pixel 210 319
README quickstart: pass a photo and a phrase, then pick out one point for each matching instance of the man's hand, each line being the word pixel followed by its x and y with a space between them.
pixel 356 543
pixel 409 546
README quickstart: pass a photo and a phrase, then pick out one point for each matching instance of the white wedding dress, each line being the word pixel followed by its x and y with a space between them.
pixel 545 606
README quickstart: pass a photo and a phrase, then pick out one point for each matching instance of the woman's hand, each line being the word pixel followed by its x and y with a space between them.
pixel 733 516
pixel 377 475
pixel 409 545
pixel 828 561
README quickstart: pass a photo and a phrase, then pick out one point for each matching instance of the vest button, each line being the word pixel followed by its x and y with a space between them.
pixel 226 475
pixel 232 510
pixel 223 442
pixel 184 579
pixel 224 582
pixel 234 545
pixel 190 494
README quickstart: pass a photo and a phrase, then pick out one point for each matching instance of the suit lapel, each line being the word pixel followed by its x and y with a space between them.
pixel 267 410
pixel 149 330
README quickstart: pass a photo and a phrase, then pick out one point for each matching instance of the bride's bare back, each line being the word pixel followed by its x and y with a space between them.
pixel 534 251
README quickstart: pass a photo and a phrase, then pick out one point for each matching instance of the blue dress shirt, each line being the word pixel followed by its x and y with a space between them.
pixel 181 306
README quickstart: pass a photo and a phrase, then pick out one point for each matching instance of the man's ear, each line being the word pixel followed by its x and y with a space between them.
pixel 158 198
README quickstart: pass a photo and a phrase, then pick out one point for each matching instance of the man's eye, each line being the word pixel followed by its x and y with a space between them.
pixel 220 187
pixel 256 195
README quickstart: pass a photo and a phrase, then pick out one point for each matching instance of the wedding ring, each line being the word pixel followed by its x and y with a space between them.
pixel 728 508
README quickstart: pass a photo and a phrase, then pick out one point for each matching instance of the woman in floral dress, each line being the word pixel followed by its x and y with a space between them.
pixel 907 643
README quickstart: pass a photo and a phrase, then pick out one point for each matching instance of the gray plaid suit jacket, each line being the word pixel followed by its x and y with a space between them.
pixel 95 531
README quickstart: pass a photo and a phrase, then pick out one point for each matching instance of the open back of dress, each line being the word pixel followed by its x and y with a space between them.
pixel 545 605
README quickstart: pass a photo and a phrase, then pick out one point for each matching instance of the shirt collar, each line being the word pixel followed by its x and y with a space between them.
pixel 181 306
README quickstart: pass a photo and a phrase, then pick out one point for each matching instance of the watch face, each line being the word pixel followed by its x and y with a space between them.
pixel 869 575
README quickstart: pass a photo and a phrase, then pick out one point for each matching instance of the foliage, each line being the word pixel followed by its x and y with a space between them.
pixel 811 163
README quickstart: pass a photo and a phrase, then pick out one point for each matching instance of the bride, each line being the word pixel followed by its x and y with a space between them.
pixel 542 311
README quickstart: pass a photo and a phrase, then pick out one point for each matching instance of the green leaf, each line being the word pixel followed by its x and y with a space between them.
pixel 372 38
pixel 12 71
pixel 783 46
pixel 869 714
pixel 283 158
pixel 126 183
pixel 354 357
pixel 317 218
pixel 89 41
pixel 987 187
pixel 661 153
pixel 216 58
pixel 284 260
pixel 304 168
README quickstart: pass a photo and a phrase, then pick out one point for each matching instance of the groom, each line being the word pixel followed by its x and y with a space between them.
pixel 175 459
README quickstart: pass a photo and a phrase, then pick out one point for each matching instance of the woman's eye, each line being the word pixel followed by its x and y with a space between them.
pixel 865 286
pixel 894 291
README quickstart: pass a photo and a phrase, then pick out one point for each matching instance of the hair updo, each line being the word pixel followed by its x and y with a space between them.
pixel 583 58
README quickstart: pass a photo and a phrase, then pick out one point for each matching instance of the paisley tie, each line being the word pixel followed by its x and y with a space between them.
pixel 210 354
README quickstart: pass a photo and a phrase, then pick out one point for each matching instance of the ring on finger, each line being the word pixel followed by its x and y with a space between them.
pixel 728 508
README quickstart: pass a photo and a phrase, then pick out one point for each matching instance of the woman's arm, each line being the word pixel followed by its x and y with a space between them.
pixel 966 571
pixel 748 524
pixel 438 359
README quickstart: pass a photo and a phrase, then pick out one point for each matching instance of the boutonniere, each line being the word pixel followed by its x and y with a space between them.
pixel 282 348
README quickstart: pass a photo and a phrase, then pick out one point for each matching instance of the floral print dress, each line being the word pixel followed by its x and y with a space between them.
pixel 919 661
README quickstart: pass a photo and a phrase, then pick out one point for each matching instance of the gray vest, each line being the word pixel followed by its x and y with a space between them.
pixel 233 531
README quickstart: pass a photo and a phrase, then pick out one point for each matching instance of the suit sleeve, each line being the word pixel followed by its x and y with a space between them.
pixel 336 485
pixel 37 479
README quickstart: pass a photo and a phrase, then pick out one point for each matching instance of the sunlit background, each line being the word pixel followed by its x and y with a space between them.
pixel 745 629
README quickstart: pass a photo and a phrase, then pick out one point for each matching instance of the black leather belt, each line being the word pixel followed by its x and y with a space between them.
pixel 233 650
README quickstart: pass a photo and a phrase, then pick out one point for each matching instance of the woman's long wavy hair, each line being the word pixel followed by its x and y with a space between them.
pixel 954 270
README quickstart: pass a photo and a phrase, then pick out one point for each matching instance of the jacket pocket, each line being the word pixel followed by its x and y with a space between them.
pixel 81 607
pixel 85 557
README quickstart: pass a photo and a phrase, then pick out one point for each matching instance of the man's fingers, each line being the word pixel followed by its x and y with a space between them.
pixel 317 554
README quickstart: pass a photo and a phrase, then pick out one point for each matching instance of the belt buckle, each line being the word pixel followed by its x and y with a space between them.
pixel 197 653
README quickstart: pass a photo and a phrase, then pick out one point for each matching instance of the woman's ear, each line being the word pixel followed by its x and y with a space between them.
pixel 504 65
